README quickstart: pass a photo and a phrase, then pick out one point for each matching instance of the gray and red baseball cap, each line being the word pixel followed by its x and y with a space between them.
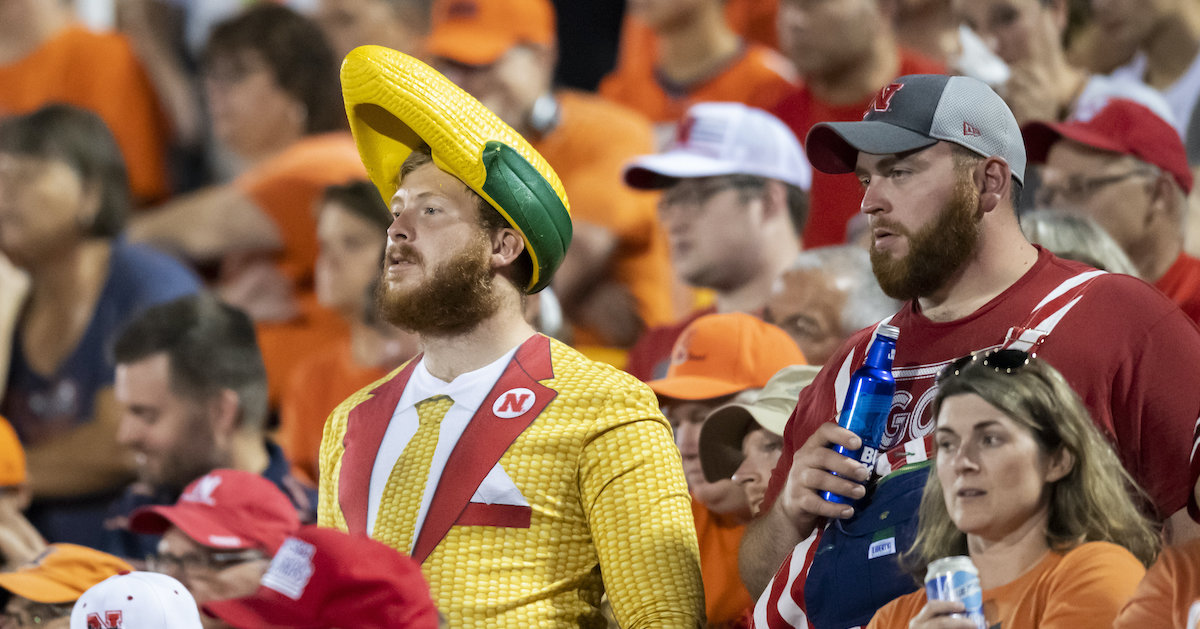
pixel 916 111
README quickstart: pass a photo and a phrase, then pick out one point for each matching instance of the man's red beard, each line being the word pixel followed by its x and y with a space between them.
pixel 453 300
pixel 935 252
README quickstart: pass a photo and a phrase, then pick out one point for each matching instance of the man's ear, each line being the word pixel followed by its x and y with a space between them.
pixel 993 179
pixel 774 199
pixel 225 411
pixel 507 246
pixel 1166 200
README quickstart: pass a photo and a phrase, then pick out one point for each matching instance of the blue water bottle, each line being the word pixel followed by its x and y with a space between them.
pixel 868 401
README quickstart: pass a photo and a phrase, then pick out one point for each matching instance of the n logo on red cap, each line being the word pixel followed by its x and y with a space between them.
pixel 202 490
pixel 883 100
pixel 110 620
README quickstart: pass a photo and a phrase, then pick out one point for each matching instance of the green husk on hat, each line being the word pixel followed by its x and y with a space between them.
pixel 396 103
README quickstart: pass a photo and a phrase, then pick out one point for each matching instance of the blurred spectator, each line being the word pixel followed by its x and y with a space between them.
pixel 272 88
pixel 1028 36
pixel 1127 169
pixel 323 578
pixel 45 57
pixel 193 393
pixel 136 600
pixel 223 522
pixel 1076 237
pixel 398 24
pixel 742 441
pixel 19 541
pixel 718 357
pixel 63 202
pixel 734 201
pixel 1026 486
pixel 351 223
pixel 42 592
pixel 616 278
pixel 844 51
pixel 692 56
pixel 824 296
pixel 1165 39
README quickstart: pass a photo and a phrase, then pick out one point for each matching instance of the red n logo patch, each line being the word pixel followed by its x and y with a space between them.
pixel 110 620
pixel 883 100
pixel 513 403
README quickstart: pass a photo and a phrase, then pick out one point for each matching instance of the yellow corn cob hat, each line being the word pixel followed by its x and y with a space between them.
pixel 395 102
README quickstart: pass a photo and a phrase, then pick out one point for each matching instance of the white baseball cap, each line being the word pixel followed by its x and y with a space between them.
pixel 724 139
pixel 136 600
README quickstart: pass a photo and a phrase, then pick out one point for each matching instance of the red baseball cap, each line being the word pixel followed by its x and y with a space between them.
pixel 1121 126
pixel 225 509
pixel 722 354
pixel 323 578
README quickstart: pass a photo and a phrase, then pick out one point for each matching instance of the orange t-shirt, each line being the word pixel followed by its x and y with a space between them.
pixel 754 20
pixel 758 76
pixel 317 384
pixel 1167 593
pixel 727 603
pixel 287 186
pixel 588 149
pixel 284 344
pixel 1084 587
pixel 98 72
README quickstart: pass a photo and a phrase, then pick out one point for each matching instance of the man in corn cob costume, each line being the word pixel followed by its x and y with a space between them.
pixel 526 479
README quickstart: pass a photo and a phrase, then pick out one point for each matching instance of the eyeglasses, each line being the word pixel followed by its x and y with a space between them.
pixel 1078 187
pixel 35 614
pixel 693 192
pixel 1001 360
pixel 199 563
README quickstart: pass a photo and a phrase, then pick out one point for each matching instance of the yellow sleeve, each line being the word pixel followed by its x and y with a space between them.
pixel 638 509
pixel 329 513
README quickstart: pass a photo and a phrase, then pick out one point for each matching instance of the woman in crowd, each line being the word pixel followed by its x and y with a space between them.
pixel 64 196
pixel 1027 487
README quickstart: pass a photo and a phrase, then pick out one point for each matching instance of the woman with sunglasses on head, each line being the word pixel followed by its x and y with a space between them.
pixel 1027 487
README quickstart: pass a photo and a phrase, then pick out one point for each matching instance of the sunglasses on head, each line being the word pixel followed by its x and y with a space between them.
pixel 1001 360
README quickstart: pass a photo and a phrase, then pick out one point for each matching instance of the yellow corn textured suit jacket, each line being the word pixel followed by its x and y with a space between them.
pixel 594 458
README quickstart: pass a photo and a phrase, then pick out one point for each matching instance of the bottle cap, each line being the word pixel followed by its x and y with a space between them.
pixel 890 331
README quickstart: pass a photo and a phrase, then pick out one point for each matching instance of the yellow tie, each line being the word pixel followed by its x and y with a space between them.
pixel 396 521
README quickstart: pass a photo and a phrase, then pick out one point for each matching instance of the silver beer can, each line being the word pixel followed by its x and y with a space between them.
pixel 956 579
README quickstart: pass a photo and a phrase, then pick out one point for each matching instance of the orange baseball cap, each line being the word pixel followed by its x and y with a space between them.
pixel 62 573
pixel 477 32
pixel 12 456
pixel 722 354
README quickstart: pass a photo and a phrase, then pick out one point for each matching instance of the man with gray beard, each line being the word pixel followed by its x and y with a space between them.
pixel 941 161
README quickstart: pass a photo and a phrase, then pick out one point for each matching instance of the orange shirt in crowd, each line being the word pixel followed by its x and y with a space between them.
pixel 758 76
pixel 101 73
pixel 285 344
pixel 318 383
pixel 287 186
pixel 1166 595
pixel 754 20
pixel 588 149
pixel 1084 587
pixel 727 603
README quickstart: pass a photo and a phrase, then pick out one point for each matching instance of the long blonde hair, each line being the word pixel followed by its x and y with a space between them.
pixel 1095 501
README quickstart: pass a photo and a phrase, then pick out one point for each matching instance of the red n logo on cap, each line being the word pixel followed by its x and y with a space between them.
pixel 883 100
pixel 110 620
